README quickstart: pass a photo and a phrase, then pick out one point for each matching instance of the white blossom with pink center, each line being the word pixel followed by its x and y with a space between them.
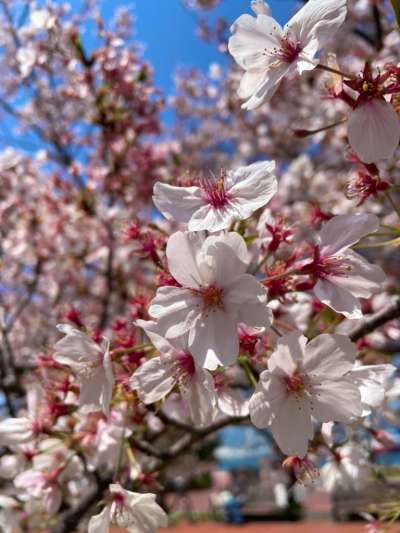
pixel 218 201
pixel 343 275
pixel 50 472
pixel 138 513
pixel 347 469
pixel 24 429
pixel 306 381
pixel 175 366
pixel 92 365
pixel 215 295
pixel 373 381
pixel 267 52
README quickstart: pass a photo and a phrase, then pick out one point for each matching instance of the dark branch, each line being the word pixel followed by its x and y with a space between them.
pixel 69 520
pixel 380 318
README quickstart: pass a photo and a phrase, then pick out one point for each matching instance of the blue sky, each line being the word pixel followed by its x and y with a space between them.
pixel 168 32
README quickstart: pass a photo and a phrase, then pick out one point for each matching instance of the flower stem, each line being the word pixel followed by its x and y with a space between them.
pixel 244 363
pixel 275 330
pixel 334 71
pixel 261 263
pixel 120 451
pixel 391 201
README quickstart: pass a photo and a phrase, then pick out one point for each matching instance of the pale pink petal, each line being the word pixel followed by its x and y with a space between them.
pixel 266 89
pixel 153 380
pixel 374 130
pixel 215 340
pixel 327 431
pixel 213 219
pixel 306 59
pixel 177 203
pixel 292 427
pixel 342 231
pixel 95 391
pixel 249 81
pixel 269 394
pixel 16 431
pixel 288 354
pixel 252 187
pixel 340 300
pixel 183 250
pixel 363 280
pixel 235 242
pixel 250 37
pixel 76 349
pixel 248 299
pixel 200 397
pixel 100 523
pixel 329 355
pixel 176 310
pixel 232 403
pixel 32 481
pixel 338 401
pixel 52 498
pixel 152 331
pixel 145 515
pixel 108 381
pixel 372 382
pixel 318 19
pixel 225 262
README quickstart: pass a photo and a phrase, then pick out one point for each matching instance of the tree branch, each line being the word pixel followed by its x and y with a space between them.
pixel 380 318
pixel 70 519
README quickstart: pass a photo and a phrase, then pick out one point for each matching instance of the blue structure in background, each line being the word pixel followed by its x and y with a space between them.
pixel 241 448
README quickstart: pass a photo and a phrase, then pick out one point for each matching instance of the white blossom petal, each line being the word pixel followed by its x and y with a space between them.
pixel 153 380
pixel 340 300
pixel 177 203
pixel 200 397
pixel 329 355
pixel 339 400
pixel 215 341
pixel 342 231
pixel 374 130
pixel 100 523
pixel 292 427
pixel 318 19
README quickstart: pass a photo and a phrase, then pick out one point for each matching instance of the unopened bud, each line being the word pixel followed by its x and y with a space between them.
pixel 303 469
pixel 261 8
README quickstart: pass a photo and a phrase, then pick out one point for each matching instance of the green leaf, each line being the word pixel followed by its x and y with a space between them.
pixel 396 9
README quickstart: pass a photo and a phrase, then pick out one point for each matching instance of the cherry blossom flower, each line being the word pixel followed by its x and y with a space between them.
pixel 305 380
pixel 268 52
pixel 138 513
pixel 41 19
pixel 26 58
pixel 50 472
pixel 217 202
pixel 215 296
pixel 374 125
pixel 91 363
pixel 175 366
pixel 342 275
pixel 23 429
pixel 347 469
pixel 373 381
